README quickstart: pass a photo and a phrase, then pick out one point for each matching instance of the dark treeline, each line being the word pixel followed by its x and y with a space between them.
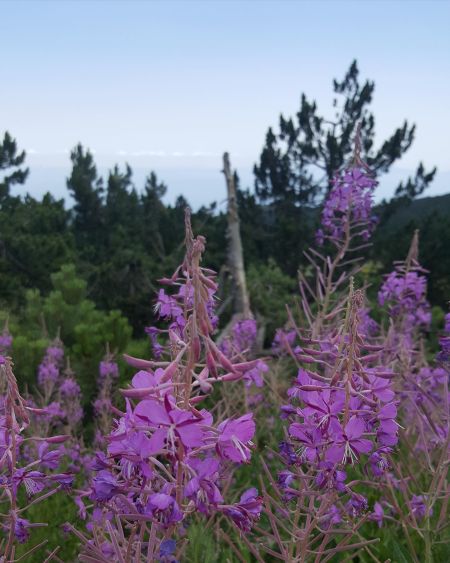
pixel 122 238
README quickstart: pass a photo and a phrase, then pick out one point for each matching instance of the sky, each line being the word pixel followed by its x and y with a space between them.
pixel 169 86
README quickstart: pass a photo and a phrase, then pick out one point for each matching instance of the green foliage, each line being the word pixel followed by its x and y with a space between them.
pixel 270 291
pixel 55 512
pixel 34 241
pixel 86 189
pixel 9 158
pixel 84 330
pixel 204 547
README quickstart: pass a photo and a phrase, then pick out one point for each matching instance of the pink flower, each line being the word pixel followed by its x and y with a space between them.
pixel 246 511
pixel 347 444
pixel 165 508
pixel 170 423
pixel 310 437
pixel 235 436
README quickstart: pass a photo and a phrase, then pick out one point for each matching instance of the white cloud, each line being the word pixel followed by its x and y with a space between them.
pixel 148 153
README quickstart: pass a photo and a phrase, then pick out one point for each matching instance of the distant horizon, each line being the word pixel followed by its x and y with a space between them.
pixel 199 186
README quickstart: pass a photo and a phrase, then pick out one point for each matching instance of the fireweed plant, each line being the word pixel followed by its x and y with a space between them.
pixel 108 374
pixel 58 402
pixel 241 345
pixel 166 460
pixel 24 482
pixel 342 410
pixel 358 390
pixel 417 488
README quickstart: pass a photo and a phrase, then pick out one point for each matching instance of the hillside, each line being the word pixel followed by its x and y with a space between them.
pixel 418 210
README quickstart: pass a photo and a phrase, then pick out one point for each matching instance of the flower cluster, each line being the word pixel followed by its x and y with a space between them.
pixel 20 478
pixel 238 346
pixel 49 370
pixel 444 342
pixel 405 293
pixel 5 340
pixel 70 400
pixel 61 394
pixel 108 375
pixel 348 204
pixel 166 458
pixel 342 410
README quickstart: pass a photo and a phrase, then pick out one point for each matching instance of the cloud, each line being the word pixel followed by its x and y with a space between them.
pixel 148 153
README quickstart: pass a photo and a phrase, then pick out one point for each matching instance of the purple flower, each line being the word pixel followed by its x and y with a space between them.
pixel 244 334
pixel 167 307
pixel 82 513
pixel 64 479
pixel 379 462
pixel 405 293
pixel 166 551
pixel 381 387
pixel 104 486
pixel 170 423
pixel 202 488
pixel 146 379
pixel 347 444
pixel 419 507
pixel 5 341
pixel 254 375
pixel 310 438
pixel 34 481
pixel 235 436
pixel 387 431
pixel 70 388
pixel 164 508
pixel 323 405
pixel 49 369
pixel 377 514
pixel 158 349
pixel 285 478
pixel 329 477
pixel 49 458
pixel 331 518
pixel 356 505
pixel 21 529
pixel 108 369
pixel 283 339
pixel 349 200
pixel 246 511
pixel 288 453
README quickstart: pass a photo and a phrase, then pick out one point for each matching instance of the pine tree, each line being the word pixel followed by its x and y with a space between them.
pixel 87 190
pixel 154 213
pixel 10 158
pixel 298 162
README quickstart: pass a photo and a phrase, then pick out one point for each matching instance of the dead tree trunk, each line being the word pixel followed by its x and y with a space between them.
pixel 241 302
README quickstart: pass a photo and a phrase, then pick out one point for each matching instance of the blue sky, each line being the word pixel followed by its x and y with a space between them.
pixel 170 85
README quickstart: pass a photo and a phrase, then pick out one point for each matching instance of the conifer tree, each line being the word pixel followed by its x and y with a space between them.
pixel 87 190
pixel 10 158
pixel 297 163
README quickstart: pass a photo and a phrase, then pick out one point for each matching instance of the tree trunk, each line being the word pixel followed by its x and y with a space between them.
pixel 241 302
